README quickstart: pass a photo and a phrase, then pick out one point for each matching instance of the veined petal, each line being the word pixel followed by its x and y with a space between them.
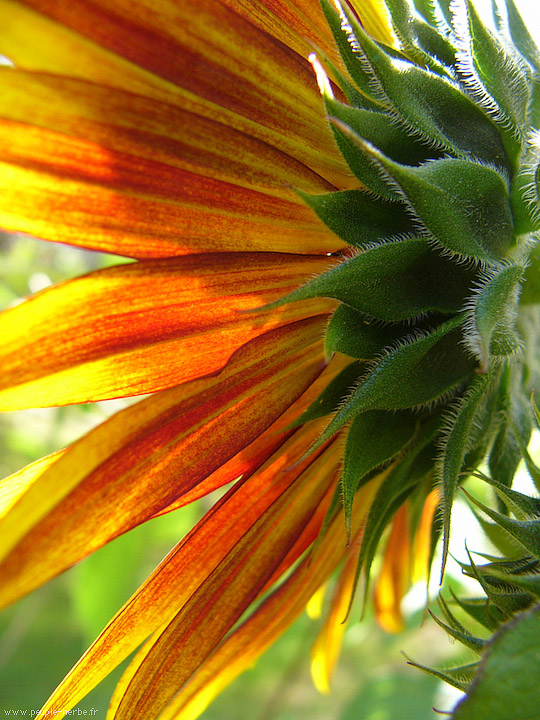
pixel 241 649
pixel 222 598
pixel 250 459
pixel 210 52
pixel 36 42
pixel 299 24
pixel 394 578
pixel 142 459
pixel 137 125
pixel 141 327
pixel 72 190
pixel 325 651
pixel 186 567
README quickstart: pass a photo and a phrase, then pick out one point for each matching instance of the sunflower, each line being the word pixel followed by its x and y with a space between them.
pixel 330 212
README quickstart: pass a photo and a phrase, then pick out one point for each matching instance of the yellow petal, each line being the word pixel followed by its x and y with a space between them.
pixel 327 646
pixel 376 19
pixel 14 486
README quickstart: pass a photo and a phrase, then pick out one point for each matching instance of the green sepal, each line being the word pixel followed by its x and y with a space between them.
pixel 484 427
pixel 532 469
pixel 534 107
pixel 503 595
pixel 381 130
pixel 392 282
pixel 514 431
pixel 373 439
pixel 433 107
pixel 444 6
pixel 464 205
pixel 511 567
pixel 456 630
pixel 530 293
pixel 525 197
pixel 395 489
pixel 507 684
pixel 351 57
pixel 426 10
pixel 495 534
pixel 420 40
pixel 333 395
pixel 352 94
pixel 502 78
pixel 480 610
pixel 522 506
pixel 456 446
pixel 528 583
pixel 528 326
pixel 351 333
pixel 358 217
pixel 493 307
pixel 459 677
pixel 415 374
pixel 526 532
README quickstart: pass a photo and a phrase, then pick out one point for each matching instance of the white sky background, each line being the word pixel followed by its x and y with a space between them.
pixel 529 9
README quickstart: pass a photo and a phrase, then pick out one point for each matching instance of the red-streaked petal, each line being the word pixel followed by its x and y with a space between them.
pixel 394 578
pixel 33 41
pixel 145 457
pixel 186 567
pixel 142 327
pixel 71 190
pixel 299 24
pixel 212 53
pixel 241 649
pixel 136 125
pixel 222 598
pixel 248 460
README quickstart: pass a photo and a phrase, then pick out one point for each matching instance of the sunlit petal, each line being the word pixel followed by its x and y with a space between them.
pixel 143 459
pixel 142 327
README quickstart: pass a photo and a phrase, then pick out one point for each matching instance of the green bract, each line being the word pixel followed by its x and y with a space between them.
pixel 439 302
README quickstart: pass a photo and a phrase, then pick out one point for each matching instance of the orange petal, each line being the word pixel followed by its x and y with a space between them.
pixel 142 327
pixel 241 649
pixel 186 567
pixel 136 125
pixel 212 53
pixel 394 578
pixel 221 599
pixel 299 24
pixel 248 460
pixel 72 190
pixel 144 458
